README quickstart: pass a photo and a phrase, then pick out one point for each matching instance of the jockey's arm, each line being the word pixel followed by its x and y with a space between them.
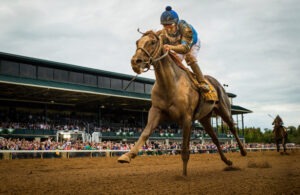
pixel 186 42
pixel 181 48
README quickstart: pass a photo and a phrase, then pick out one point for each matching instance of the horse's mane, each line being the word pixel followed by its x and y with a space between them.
pixel 149 32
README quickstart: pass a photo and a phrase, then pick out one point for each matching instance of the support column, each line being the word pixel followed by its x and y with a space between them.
pixel 243 125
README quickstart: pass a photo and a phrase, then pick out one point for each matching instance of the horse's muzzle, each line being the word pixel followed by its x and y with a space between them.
pixel 137 65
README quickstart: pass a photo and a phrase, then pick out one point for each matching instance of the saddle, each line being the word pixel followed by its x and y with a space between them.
pixel 211 95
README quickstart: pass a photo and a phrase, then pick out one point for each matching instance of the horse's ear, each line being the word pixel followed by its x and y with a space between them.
pixel 140 31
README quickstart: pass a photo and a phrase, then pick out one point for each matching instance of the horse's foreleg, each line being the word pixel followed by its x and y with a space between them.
pixel 284 144
pixel 185 149
pixel 154 117
pixel 277 145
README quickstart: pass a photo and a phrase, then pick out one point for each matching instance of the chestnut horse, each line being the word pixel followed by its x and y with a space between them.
pixel 280 133
pixel 174 97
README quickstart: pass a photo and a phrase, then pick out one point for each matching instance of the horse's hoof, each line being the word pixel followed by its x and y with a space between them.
pixel 124 159
pixel 243 153
pixel 229 163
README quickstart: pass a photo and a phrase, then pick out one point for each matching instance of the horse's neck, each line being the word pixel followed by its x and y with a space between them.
pixel 166 74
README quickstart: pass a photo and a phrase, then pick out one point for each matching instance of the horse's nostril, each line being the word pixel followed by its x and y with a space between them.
pixel 138 61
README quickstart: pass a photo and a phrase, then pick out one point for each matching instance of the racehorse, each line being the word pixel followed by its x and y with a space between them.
pixel 280 133
pixel 174 97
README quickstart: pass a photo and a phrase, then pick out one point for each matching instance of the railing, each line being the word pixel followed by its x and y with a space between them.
pixel 270 149
pixel 34 154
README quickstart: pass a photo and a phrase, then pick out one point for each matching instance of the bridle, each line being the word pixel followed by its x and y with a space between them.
pixel 152 59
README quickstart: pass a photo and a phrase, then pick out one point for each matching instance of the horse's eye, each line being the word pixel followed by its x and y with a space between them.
pixel 153 42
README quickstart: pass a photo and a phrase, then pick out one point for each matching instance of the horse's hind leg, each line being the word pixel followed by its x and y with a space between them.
pixel 225 115
pixel 208 128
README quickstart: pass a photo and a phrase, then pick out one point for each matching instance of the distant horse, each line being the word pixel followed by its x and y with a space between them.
pixel 280 133
pixel 175 97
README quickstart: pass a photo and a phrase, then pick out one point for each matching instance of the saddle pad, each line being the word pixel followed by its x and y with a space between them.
pixel 212 94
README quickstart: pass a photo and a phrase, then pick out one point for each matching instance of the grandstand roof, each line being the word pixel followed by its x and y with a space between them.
pixel 50 92
pixel 239 110
pixel 37 61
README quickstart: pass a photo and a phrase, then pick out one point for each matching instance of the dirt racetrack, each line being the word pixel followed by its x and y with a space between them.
pixel 257 173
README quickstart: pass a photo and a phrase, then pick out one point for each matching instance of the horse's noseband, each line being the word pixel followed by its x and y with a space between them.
pixel 149 61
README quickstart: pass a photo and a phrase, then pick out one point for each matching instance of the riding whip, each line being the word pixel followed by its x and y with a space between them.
pixel 133 78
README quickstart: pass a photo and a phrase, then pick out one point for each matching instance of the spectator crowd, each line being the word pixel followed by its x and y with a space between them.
pixel 195 147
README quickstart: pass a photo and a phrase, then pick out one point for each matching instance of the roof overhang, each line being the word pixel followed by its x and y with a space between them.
pixel 48 92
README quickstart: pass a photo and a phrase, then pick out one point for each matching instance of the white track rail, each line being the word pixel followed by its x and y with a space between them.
pixel 10 154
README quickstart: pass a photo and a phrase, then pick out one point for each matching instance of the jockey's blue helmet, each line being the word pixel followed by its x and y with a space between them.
pixel 169 16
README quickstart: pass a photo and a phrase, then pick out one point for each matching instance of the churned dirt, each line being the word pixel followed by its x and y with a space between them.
pixel 257 173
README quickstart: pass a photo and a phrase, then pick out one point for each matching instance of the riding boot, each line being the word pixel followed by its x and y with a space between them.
pixel 203 86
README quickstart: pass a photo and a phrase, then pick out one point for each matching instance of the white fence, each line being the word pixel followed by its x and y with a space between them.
pixel 30 154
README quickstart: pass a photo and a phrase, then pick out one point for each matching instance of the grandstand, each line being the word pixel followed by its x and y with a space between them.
pixel 40 97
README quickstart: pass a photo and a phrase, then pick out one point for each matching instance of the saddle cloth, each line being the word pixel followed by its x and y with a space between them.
pixel 211 95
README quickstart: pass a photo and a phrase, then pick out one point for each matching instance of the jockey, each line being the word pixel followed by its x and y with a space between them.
pixel 182 38
pixel 278 122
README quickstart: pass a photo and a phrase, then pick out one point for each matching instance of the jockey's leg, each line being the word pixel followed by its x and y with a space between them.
pixel 192 62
